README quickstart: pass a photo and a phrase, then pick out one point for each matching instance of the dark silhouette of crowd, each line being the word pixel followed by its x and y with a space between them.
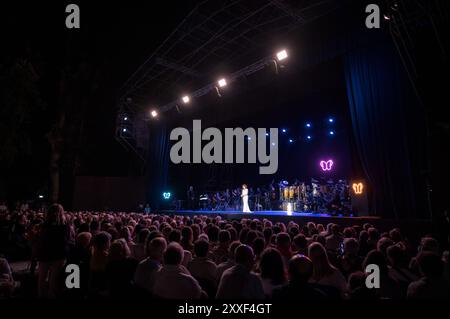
pixel 134 255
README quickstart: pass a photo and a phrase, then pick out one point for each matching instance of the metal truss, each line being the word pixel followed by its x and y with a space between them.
pixel 230 32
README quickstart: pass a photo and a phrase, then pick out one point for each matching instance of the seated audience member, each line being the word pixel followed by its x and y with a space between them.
pixel 389 288
pixel 383 244
pixel 138 248
pixel 187 238
pixel 6 279
pixel 426 244
pixel 173 281
pixel 99 259
pixel 300 272
pixel 432 284
pixel 220 253
pixel 239 282
pixel 357 288
pixel 350 261
pixel 230 260
pixel 53 251
pixel 283 242
pixel 398 269
pixel 325 274
pixel 272 269
pixel 202 268
pixel 120 269
pixel 334 240
pixel 300 245
pixel 144 277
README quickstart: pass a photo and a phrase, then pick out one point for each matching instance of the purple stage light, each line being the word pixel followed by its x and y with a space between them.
pixel 326 165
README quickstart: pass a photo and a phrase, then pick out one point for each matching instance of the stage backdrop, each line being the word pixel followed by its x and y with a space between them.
pixel 108 193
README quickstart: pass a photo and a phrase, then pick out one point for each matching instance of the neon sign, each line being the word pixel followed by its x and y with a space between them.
pixel 326 165
pixel 358 188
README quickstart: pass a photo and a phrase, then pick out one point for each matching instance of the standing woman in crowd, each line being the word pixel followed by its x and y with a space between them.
pixel 52 252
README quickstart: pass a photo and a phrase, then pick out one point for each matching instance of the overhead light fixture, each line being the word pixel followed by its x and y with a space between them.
pixel 282 55
pixel 222 82
pixel 154 113
pixel 185 99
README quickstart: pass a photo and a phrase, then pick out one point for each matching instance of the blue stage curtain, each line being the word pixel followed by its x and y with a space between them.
pixel 157 164
pixel 383 110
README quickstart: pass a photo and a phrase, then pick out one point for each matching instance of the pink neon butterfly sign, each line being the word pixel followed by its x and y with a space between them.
pixel 326 165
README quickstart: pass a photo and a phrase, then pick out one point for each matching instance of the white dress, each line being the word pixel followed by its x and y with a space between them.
pixel 246 208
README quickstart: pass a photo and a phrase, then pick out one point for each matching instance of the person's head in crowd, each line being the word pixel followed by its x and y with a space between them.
pixel 251 235
pixel 55 215
pixel 156 248
pixel 300 269
pixel 319 257
pixel 174 236
pixel 142 235
pixel 173 255
pixel 125 234
pixel 300 243
pixel 244 256
pixel 101 242
pixel 376 257
pixel 166 231
pixel 335 230
pixel 367 226
pixel 283 242
pixel 201 248
pixel 396 235
pixel 213 233
pixel 258 245
pixel 187 236
pixel 349 232
pixel 243 235
pixel 321 239
pixel 430 265
pixel 224 238
pixel 119 250
pixel 233 233
pixel 351 247
pixel 429 244
pixel 267 233
pixel 374 234
pixel 357 287
pixel 83 240
pixel 383 244
pixel 232 249
pixel 320 228
pixel 271 266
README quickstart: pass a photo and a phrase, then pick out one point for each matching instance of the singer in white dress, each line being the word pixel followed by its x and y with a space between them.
pixel 246 208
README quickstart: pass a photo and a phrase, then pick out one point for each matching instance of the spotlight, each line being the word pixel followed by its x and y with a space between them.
pixel 267 134
pixel 386 17
pixel 308 125
pixel 154 113
pixel 291 140
pixel 222 82
pixel 41 196
pixel 330 120
pixel 124 130
pixel 186 99
pixel 331 133
pixel 125 118
pixel 282 55
pixel 309 137
pixel 273 144
pixel 283 130
pixel 249 138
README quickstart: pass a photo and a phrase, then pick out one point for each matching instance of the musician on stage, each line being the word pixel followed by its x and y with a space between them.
pixel 244 195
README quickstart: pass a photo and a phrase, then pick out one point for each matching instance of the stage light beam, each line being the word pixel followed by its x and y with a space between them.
pixel 282 55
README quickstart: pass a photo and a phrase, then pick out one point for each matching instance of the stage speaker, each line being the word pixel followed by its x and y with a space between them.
pixel 358 196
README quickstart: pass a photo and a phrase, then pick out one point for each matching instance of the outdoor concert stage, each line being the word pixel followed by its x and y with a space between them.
pixel 383 224
pixel 282 216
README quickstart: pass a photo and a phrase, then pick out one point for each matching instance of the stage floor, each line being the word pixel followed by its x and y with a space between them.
pixel 277 215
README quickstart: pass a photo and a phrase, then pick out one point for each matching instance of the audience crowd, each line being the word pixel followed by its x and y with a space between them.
pixel 134 255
